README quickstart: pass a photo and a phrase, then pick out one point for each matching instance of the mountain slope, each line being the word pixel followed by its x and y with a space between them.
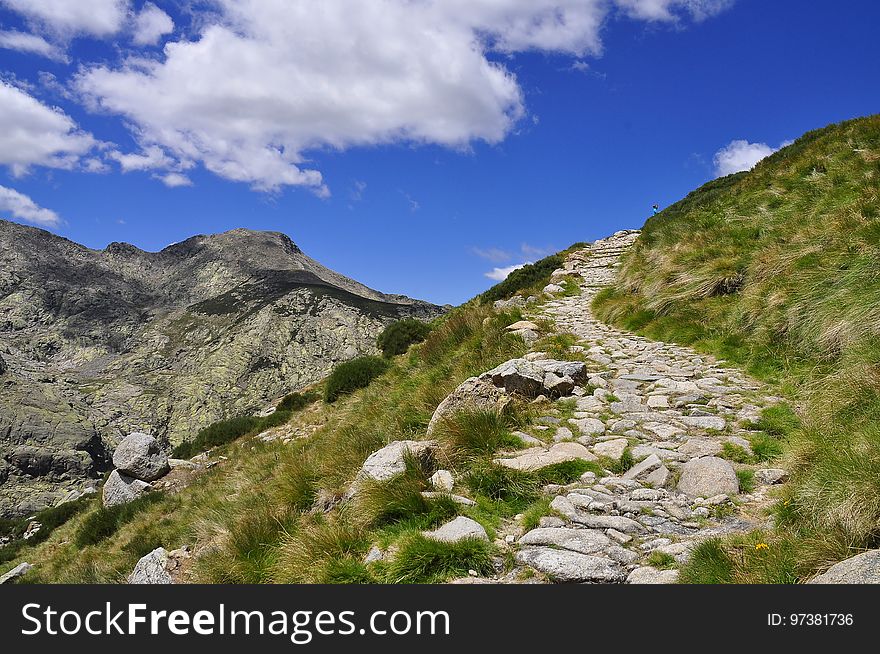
pixel 100 343
pixel 778 268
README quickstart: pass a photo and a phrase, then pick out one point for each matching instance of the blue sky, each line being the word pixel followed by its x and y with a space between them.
pixel 413 146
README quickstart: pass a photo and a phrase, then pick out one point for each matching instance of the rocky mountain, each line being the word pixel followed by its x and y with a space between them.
pixel 97 344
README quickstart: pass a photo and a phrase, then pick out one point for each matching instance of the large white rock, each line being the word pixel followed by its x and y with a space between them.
pixel 716 423
pixel 611 449
pixel 585 541
pixel 590 426
pixel 140 456
pixel 649 575
pixel 458 529
pixel 537 458
pixel 707 477
pixel 384 464
pixel 152 569
pixel 861 569
pixel 473 394
pixel 18 571
pixel 121 489
pixel 567 566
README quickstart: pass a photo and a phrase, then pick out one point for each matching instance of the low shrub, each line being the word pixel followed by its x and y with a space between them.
pixel 528 276
pixel 104 522
pixel 352 375
pixel 219 433
pixel 50 519
pixel 397 337
pixel 297 401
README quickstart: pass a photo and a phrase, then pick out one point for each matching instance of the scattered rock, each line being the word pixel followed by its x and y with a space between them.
pixel 585 541
pixel 442 481
pixel 458 499
pixel 697 447
pixel 649 575
pixel 140 456
pixel 374 555
pixel 659 478
pixel 861 569
pixel 708 476
pixel 538 458
pixel 704 422
pixel 566 566
pixel 391 459
pixel 611 449
pixel 770 476
pixel 121 489
pixel 552 289
pixel 516 302
pixel 590 426
pixel 18 571
pixel 643 468
pixel 152 569
pixel 458 529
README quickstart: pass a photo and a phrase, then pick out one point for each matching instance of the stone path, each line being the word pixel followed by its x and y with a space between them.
pixel 668 409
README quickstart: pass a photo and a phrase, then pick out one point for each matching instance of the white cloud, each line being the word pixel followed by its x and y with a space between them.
pixel 67 18
pixel 671 10
pixel 21 207
pixel 174 180
pixel 151 24
pixel 500 274
pixel 31 43
pixel 152 157
pixel 35 134
pixel 740 155
pixel 266 81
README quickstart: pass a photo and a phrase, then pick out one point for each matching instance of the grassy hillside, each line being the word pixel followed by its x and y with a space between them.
pixel 778 269
pixel 269 511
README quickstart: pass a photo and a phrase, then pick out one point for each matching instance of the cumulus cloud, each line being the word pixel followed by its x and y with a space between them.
pixel 151 24
pixel 68 18
pixel 740 155
pixel 174 180
pixel 152 157
pixel 34 134
pixel 32 44
pixel 21 207
pixel 266 81
pixel 500 274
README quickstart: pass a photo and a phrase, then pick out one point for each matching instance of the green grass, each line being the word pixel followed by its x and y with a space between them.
pixel 662 561
pixel 476 433
pixel 736 453
pixel 746 480
pixel 423 560
pixel 775 270
pixel 567 472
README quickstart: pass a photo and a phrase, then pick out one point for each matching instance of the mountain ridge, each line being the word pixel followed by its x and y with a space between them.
pixel 101 342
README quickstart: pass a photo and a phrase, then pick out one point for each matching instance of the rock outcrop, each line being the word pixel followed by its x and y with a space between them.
pixel 99 344
pixel 121 489
pixel 141 456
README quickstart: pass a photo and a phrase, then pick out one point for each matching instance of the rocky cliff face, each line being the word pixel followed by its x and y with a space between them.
pixel 96 344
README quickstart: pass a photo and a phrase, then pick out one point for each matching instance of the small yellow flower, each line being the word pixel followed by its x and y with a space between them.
pixel 762 546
